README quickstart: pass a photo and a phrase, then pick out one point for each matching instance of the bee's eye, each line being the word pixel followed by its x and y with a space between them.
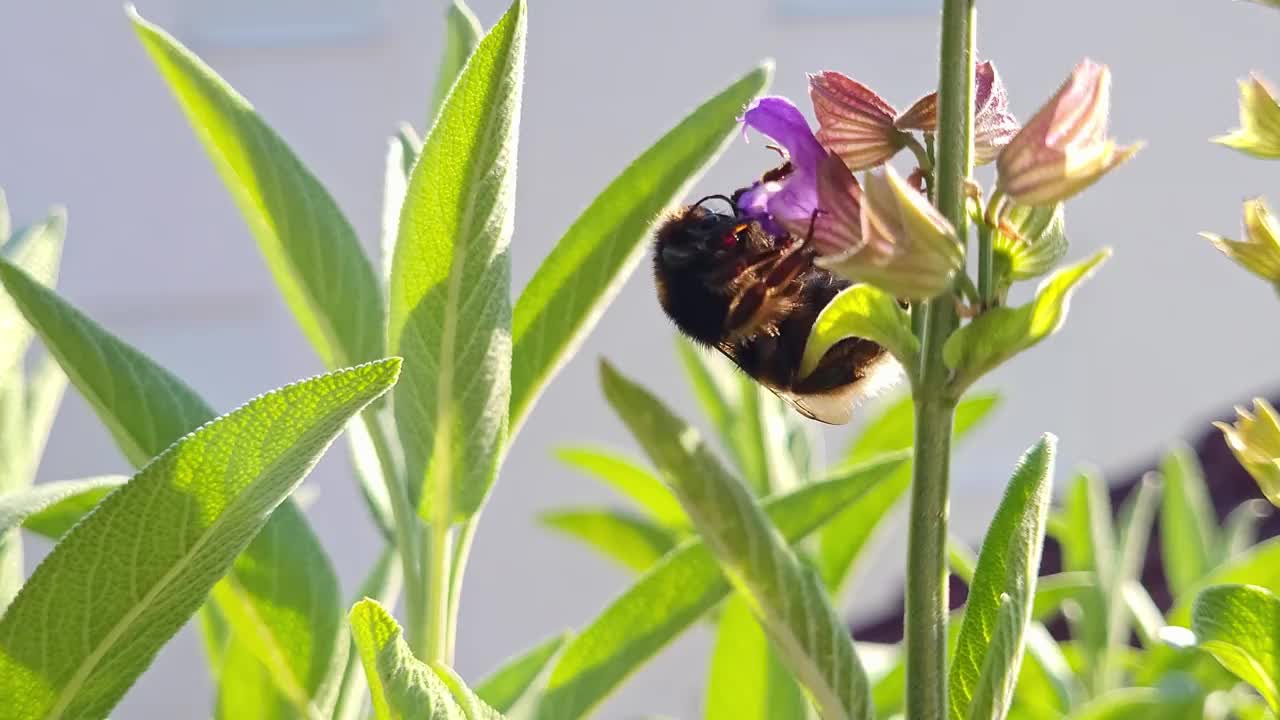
pixel 736 236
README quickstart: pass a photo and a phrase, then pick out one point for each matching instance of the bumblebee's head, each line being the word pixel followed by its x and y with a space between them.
pixel 697 239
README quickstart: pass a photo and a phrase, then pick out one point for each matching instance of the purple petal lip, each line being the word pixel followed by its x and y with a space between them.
pixel 775 202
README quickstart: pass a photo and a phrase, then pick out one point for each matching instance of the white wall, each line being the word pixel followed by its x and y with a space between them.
pixel 156 251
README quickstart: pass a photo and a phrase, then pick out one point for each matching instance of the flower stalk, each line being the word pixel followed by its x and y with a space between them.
pixel 927 601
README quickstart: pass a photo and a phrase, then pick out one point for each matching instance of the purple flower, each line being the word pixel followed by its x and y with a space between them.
pixel 787 203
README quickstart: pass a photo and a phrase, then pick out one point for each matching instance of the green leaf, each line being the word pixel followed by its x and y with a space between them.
pixel 462 33
pixel 568 293
pixel 1259 131
pixel 146 408
pixel 1187 520
pixel 402 153
pixel 672 595
pixel 38 250
pixel 246 688
pixel 787 597
pixel 1259 566
pixel 311 249
pixel 629 479
pixel 1240 529
pixel 961 560
pixel 1240 626
pixel 715 387
pixel 1038 246
pixel 281 604
pixel 1138 518
pixel 402 686
pixel 514 681
pixel 450 283
pixel 993 692
pixel 368 471
pixel 863 311
pixel 1131 703
pixel 1046 684
pixel 1088 541
pixel 383 585
pixel 894 428
pixel 1054 590
pixel 1002 332
pixel 51 508
pixel 193 510
pixel 747 681
pixel 626 538
pixel 1008 566
pixel 843 539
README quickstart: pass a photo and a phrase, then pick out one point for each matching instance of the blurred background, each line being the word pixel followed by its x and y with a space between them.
pixel 1158 343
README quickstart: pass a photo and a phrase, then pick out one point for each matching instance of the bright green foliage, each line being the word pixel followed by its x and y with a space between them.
pixel 1259 566
pixel 630 479
pixel 787 598
pixel 1240 626
pixel 1259 131
pixel 383 585
pixel 194 509
pixel 403 686
pixel 863 311
pixel 1004 582
pixel 747 681
pixel 514 682
pixel 38 250
pixel 51 508
pixel 677 591
pixel 1002 332
pixel 462 34
pixel 147 408
pixel 843 539
pixel 585 270
pixel 450 307
pixel 311 249
pixel 1188 531
pixel 633 541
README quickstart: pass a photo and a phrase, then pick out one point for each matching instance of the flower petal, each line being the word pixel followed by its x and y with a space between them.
pixel 853 121
pixel 778 118
pixel 993 125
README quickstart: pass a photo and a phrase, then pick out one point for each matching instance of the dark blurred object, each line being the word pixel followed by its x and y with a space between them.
pixel 1229 486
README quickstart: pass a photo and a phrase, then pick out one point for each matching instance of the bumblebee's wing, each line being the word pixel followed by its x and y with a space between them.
pixel 832 408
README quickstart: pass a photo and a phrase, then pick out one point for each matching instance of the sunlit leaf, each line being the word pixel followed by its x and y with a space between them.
pixel 450 308
pixel 747 681
pixel 633 541
pixel 462 33
pixel 1259 131
pixel 1240 626
pixel 787 597
pixel 1187 521
pixel 631 480
pixel 310 247
pixel 863 311
pixel 1006 574
pixel 193 510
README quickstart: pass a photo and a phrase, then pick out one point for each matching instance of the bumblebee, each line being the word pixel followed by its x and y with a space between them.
pixel 753 295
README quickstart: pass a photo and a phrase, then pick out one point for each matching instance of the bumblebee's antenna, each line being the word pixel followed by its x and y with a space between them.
pixel 718 197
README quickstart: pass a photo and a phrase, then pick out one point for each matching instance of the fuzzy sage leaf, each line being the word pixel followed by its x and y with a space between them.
pixel 450 309
pixel 194 509
pixel 462 32
pixel 787 597
pixel 1002 332
pixel 147 408
pixel 1006 574
pixel 310 247
pixel 515 680
pixel 670 596
pixel 402 686
pixel 747 681
pixel 1240 626
pixel 634 542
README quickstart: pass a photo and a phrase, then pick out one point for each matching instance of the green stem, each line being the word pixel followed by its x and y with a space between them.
pixel 986 264
pixel 927 602
pixel 439 544
pixel 924 161
pixel 461 552
pixel 406 530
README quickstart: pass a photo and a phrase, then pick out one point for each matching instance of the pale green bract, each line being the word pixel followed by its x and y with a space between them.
pixel 193 509
pixel 863 311
pixel 788 598
pixel 450 306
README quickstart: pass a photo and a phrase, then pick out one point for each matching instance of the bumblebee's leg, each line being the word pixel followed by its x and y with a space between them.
pixel 745 311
